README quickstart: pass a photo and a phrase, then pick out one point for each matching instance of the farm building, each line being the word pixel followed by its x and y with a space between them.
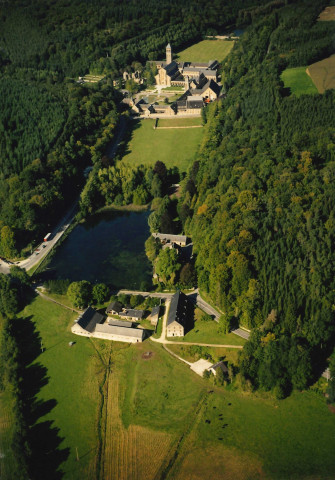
pixel 86 322
pixel 91 324
pixel 217 365
pixel 131 314
pixel 166 238
pixel 119 334
pixel 114 308
pixel 154 315
pixel 179 315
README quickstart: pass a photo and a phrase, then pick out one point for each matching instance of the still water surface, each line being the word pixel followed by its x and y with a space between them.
pixel 109 248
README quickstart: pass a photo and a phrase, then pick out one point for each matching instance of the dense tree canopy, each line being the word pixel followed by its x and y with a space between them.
pixel 260 201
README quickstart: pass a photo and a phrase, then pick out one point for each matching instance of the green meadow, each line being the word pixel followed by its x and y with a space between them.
pixel 297 80
pixel 206 50
pixel 174 147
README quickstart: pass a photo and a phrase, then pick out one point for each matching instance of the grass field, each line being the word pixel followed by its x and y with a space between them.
pixel 159 419
pixel 70 393
pixel 298 81
pixel 191 353
pixel 208 332
pixel 179 122
pixel 206 50
pixel 323 74
pixel 173 147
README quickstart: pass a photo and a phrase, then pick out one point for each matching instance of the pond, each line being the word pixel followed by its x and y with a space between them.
pixel 108 248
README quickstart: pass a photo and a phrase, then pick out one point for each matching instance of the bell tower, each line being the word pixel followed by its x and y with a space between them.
pixel 168 54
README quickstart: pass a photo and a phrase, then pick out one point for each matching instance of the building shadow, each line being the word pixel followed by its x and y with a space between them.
pixel 42 437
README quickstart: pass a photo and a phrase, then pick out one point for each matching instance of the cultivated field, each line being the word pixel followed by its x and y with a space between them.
pixel 206 50
pixel 327 15
pixel 323 73
pixel 174 147
pixel 8 469
pixel 298 81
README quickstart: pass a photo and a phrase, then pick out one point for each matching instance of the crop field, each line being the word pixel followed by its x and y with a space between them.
pixel 174 147
pixel 206 50
pixel 328 14
pixel 8 469
pixel 323 74
pixel 298 81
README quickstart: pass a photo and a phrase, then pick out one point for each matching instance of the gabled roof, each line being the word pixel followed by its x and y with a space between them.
pixel 122 331
pixel 89 319
pixel 132 313
pixel 115 306
pixel 155 311
pixel 221 365
pixel 120 323
pixel 213 86
pixel 178 309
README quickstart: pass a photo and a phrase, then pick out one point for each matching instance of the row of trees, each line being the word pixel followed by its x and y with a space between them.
pixel 259 204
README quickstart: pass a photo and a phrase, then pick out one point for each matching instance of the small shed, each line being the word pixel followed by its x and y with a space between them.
pixel 154 315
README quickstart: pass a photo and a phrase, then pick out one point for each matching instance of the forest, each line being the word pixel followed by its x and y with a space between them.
pixel 259 202
pixel 51 127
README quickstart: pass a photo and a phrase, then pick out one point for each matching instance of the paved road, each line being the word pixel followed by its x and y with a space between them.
pixel 45 247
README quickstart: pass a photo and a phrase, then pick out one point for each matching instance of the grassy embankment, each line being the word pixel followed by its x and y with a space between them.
pixel 159 419
pixel 206 50
pixel 174 147
pixel 298 81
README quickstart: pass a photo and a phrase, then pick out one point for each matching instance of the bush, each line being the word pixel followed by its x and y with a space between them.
pixel 59 286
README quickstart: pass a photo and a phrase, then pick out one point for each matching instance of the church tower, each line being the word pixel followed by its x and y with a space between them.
pixel 168 54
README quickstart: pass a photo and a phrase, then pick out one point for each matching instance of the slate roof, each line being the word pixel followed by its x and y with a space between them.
pixel 178 309
pixel 124 331
pixel 213 86
pixel 120 323
pixel 115 306
pixel 132 313
pixel 155 311
pixel 171 68
pixel 89 319
pixel 170 237
pixel 221 365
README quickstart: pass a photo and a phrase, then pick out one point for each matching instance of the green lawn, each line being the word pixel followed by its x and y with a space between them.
pixel 298 81
pixel 179 122
pixel 73 375
pixel 206 50
pixel 208 332
pixel 173 147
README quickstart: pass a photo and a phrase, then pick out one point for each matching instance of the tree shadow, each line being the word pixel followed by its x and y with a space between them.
pixel 43 439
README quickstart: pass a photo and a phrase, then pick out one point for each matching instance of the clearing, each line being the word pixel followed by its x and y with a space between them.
pixel 206 50
pixel 298 81
pixel 323 74
pixel 174 147
pixel 327 15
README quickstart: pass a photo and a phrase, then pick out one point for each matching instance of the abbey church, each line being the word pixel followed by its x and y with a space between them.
pixel 190 75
